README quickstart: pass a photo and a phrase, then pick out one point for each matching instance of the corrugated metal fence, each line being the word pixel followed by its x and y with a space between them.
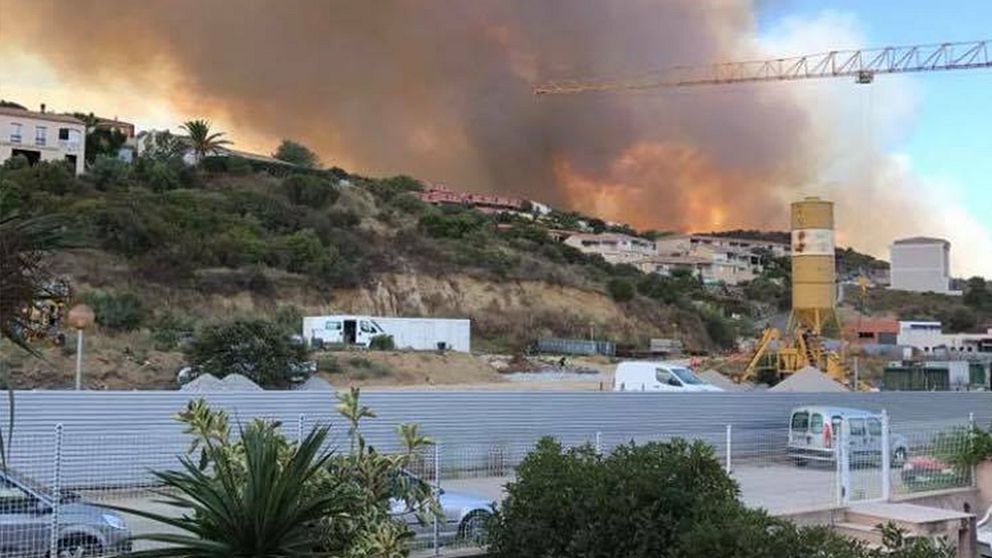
pixel 134 432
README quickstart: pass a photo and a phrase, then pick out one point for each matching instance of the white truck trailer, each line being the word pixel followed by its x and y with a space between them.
pixel 419 334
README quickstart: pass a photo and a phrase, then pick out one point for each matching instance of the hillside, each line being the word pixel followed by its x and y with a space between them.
pixel 164 249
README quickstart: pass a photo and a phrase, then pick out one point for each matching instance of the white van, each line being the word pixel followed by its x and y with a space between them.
pixel 658 377
pixel 815 429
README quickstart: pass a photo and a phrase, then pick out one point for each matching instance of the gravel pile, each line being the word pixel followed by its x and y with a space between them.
pixel 809 380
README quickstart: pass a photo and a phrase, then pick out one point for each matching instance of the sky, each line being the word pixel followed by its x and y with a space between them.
pixel 443 94
pixel 949 142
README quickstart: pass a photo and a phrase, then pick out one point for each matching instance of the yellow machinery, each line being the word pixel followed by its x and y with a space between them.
pixel 814 300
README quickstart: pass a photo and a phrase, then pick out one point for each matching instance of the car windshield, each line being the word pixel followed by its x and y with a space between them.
pixel 28 482
pixel 687 376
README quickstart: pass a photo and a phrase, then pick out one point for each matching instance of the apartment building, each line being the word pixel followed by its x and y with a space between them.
pixel 42 136
pixel 613 247
pixel 921 264
pixel 439 194
pixel 929 337
pixel 732 260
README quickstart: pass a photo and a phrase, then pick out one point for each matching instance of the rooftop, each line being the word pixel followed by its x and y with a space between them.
pixel 921 240
pixel 52 116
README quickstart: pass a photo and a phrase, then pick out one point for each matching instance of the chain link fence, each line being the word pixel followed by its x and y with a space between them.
pixel 57 493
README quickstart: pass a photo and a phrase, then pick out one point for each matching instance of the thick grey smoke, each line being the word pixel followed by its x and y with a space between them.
pixel 441 89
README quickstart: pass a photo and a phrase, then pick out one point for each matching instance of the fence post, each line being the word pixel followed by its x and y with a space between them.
pixel 437 495
pixel 886 458
pixel 730 440
pixel 599 443
pixel 971 433
pixel 844 463
pixel 300 427
pixel 53 542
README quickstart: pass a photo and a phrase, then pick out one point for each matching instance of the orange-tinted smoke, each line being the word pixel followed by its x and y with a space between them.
pixel 441 89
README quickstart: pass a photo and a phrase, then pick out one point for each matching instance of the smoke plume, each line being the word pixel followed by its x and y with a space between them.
pixel 441 90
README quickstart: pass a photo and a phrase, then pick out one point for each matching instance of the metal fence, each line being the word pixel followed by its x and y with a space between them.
pixel 776 469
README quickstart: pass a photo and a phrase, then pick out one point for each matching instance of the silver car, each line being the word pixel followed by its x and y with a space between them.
pixel 84 529
pixel 465 516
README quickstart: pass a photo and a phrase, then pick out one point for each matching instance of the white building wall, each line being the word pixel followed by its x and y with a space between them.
pixel 923 267
pixel 40 135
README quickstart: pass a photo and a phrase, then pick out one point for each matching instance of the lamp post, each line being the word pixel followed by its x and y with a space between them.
pixel 80 317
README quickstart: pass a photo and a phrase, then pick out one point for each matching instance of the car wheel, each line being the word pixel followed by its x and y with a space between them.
pixel 473 527
pixel 79 547
pixel 899 457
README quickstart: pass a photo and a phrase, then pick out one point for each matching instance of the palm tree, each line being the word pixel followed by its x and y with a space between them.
pixel 256 503
pixel 25 283
pixel 201 140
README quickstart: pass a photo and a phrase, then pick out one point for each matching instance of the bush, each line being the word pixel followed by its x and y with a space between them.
pixel 382 343
pixel 311 191
pixel 116 311
pixel 668 500
pixel 296 154
pixel 454 223
pixel 620 290
pixel 109 173
pixel 237 165
pixel 257 349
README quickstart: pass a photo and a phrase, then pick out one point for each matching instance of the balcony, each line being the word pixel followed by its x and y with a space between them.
pixel 15 138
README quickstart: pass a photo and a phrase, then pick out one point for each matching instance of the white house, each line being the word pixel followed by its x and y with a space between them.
pixel 42 136
pixel 929 337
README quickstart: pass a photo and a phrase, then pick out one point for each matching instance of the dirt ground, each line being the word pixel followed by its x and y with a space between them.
pixel 402 370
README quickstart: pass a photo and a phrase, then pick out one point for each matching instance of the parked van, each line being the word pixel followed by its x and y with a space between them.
pixel 814 432
pixel 658 377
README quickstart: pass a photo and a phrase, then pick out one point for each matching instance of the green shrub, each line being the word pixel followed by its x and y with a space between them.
pixel 237 165
pixel 297 154
pixel 382 343
pixel 109 173
pixel 169 329
pixel 311 191
pixel 257 349
pixel 116 311
pixel 668 500
pixel 454 223
pixel 620 290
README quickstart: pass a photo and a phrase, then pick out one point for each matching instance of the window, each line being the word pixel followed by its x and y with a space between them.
pixel 857 427
pixel 687 376
pixel 40 135
pixel 665 377
pixel 366 328
pixel 800 421
pixel 15 132
pixel 816 423
pixel 64 134
pixel 332 326
pixel 13 499
pixel 875 427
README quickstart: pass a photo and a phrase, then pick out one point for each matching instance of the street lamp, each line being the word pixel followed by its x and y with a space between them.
pixel 80 317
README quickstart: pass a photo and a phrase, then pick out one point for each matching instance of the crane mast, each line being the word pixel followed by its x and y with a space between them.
pixel 861 64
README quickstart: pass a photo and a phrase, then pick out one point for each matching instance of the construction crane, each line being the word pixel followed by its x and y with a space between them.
pixel 814 303
pixel 861 64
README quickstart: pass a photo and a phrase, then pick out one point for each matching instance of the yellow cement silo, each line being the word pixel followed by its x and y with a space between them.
pixel 814 277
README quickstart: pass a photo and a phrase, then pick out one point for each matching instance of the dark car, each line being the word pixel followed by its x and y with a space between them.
pixel 84 529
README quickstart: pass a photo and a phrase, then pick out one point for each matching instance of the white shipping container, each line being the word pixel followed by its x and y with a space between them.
pixel 419 334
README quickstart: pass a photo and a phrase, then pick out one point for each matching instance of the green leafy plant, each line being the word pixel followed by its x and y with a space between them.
pixel 297 154
pixel 382 343
pixel 116 311
pixel 311 191
pixel 620 290
pixel 257 349
pixel 260 495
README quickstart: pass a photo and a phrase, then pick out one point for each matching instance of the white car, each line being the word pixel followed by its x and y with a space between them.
pixel 658 377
